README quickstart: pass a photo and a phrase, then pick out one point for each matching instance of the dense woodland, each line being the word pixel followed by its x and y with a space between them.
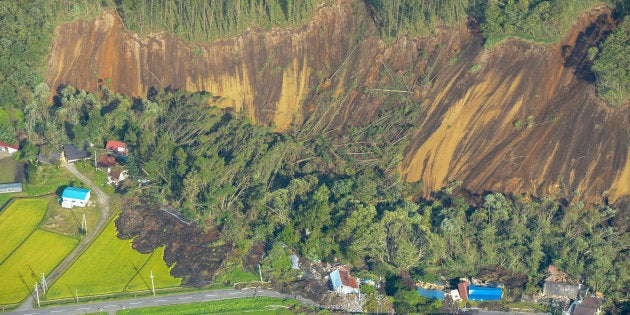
pixel 325 195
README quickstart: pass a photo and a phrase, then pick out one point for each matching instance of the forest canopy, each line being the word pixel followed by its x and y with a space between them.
pixel 311 194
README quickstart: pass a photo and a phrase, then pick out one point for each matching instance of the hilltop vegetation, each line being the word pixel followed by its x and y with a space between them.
pixel 207 20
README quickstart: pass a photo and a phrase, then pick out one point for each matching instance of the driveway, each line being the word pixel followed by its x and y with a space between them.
pixel 104 206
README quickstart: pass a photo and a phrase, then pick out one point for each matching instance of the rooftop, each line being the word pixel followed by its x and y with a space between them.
pixel 480 293
pixel 75 193
pixel 4 144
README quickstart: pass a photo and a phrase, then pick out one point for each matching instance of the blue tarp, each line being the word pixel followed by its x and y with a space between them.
pixel 75 193
pixel 432 294
pixel 335 279
pixel 478 293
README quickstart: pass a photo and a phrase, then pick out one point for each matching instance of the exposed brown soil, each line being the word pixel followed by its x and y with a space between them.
pixel 196 254
pixel 568 139
pixel 473 99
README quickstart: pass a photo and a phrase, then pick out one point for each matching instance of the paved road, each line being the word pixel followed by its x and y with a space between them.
pixel 103 204
pixel 160 300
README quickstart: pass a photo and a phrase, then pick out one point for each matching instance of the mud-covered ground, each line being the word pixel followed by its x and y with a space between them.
pixel 196 254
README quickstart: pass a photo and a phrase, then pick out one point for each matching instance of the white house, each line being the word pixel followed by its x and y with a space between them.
pixel 342 282
pixel 73 196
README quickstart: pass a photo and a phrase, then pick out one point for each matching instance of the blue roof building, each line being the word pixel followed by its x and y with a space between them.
pixel 73 196
pixel 479 293
pixel 431 294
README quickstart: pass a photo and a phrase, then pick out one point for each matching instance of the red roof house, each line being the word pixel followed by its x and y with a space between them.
pixel 462 287
pixel 342 282
pixel 5 147
pixel 116 146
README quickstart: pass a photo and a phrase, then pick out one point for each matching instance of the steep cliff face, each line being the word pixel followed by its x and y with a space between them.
pixel 266 73
pixel 520 118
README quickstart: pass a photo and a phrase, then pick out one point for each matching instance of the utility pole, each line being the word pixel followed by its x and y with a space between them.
pixel 44 284
pixel 152 283
pixel 84 224
pixel 37 294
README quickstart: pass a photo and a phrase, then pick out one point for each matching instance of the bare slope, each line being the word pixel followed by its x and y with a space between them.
pixel 520 118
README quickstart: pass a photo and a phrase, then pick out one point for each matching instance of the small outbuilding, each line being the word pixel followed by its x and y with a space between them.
pixel 431 294
pixel 481 293
pixel 295 261
pixel 73 196
pixel 343 283
pixel 588 306
pixel 561 290
pixel 5 147
pixel 10 188
pixel 116 147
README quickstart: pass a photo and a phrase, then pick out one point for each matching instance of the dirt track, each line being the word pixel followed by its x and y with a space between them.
pixel 104 206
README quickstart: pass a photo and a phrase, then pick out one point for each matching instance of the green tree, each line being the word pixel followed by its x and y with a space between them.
pixel 612 66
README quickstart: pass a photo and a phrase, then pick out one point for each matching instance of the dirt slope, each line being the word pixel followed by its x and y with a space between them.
pixel 527 121
pixel 472 99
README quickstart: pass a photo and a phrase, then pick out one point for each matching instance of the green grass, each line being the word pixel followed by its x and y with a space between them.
pixel 98 177
pixel 47 180
pixel 155 263
pixel 237 275
pixel 8 166
pixel 41 252
pixel 106 267
pixel 261 305
pixel 17 221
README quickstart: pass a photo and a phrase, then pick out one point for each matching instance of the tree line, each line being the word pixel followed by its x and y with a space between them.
pixel 206 20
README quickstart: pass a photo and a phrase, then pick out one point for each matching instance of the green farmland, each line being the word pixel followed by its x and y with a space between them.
pixel 260 305
pixel 17 222
pixel 155 263
pixel 41 252
pixel 110 265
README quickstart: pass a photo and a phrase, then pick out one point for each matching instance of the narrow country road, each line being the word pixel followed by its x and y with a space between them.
pixel 103 205
pixel 195 297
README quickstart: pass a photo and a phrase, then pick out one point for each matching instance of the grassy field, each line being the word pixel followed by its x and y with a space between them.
pixel 237 275
pixel 8 170
pixel 261 305
pixel 48 179
pixel 17 222
pixel 107 266
pixel 41 252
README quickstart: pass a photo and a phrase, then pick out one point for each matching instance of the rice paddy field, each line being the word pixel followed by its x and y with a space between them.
pixel 17 221
pixel 39 253
pixel 111 265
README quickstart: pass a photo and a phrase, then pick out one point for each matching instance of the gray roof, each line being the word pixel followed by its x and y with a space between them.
pixel 54 157
pixel 11 187
pixel 561 289
pixel 295 261
pixel 71 153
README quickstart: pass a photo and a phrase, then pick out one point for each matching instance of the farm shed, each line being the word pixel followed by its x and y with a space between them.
pixel 73 196
pixel 10 188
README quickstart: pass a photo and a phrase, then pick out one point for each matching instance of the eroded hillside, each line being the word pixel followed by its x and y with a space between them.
pixel 519 118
